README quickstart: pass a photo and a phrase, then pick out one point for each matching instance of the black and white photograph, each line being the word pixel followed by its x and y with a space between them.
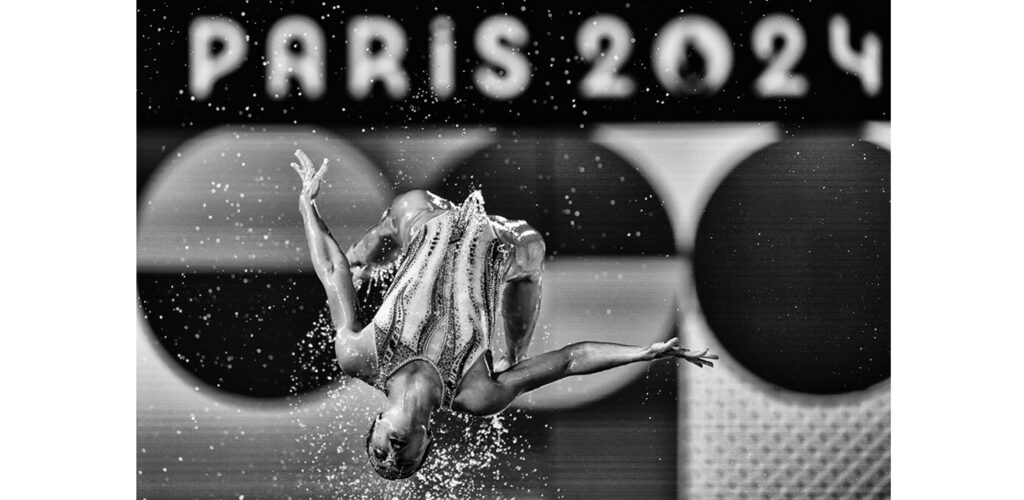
pixel 511 249
pixel 602 249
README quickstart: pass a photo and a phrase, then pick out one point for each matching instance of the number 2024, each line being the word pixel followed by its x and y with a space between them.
pixel 706 37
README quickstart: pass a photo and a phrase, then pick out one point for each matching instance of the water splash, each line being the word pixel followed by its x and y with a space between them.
pixel 472 457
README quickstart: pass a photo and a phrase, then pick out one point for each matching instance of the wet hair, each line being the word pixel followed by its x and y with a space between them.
pixel 386 472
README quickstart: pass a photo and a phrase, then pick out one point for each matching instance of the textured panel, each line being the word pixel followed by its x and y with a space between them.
pixel 742 438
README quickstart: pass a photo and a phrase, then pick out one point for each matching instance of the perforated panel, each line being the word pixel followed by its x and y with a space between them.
pixel 741 438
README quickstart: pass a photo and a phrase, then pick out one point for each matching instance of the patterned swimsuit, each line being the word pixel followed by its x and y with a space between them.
pixel 440 308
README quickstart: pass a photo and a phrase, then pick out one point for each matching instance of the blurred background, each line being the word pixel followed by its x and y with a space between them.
pixel 753 223
pixel 771 250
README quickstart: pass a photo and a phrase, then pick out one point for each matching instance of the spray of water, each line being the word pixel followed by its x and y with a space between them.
pixel 472 457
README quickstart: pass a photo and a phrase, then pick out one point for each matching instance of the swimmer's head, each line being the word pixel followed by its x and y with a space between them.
pixel 396 447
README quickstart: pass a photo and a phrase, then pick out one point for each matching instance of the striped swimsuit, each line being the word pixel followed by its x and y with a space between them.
pixel 440 308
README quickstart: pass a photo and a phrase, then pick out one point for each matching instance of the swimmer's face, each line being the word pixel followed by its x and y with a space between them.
pixel 396 448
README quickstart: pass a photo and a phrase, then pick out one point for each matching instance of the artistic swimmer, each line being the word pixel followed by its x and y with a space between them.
pixel 424 339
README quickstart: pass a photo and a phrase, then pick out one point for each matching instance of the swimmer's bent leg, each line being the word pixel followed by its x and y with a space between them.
pixel 520 302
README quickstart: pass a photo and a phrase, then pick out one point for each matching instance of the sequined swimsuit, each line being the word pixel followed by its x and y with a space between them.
pixel 440 308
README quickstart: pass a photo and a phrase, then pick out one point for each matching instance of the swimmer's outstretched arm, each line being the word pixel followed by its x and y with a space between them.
pixel 328 260
pixel 580 359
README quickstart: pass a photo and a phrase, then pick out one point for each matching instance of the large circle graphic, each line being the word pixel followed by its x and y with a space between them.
pixel 791 264
pixel 224 277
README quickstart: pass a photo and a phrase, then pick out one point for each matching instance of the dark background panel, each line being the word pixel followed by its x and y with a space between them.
pixel 263 335
pixel 792 263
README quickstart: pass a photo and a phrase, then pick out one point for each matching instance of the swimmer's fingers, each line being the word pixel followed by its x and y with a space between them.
pixel 298 169
pixel 304 160
pixel 701 359
pixel 313 183
pixel 318 177
pixel 669 345
pixel 665 349
pixel 699 362
pixel 702 362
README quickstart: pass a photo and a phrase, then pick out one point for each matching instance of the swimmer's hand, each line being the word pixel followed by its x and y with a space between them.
pixel 671 349
pixel 311 178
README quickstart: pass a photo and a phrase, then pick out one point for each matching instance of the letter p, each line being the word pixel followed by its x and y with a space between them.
pixel 205 66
